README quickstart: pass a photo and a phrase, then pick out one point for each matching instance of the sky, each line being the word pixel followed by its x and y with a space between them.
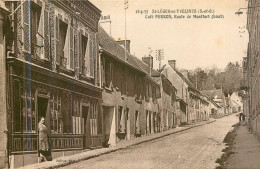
pixel 192 42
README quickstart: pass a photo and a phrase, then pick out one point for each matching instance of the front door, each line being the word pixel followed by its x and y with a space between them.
pixel 43 111
pixel 86 137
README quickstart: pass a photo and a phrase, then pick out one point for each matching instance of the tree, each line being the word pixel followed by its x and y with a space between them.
pixel 213 78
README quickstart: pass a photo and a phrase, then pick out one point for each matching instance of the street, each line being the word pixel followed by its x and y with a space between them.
pixel 195 148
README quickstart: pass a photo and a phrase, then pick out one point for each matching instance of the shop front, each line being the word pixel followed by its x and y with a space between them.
pixel 71 108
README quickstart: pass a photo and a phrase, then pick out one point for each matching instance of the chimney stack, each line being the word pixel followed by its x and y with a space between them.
pixel 122 43
pixel 185 73
pixel 172 63
pixel 148 60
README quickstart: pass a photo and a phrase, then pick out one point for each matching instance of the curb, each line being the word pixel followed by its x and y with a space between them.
pixel 67 162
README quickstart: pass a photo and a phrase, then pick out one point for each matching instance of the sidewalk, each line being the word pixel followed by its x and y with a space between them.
pixel 66 160
pixel 246 150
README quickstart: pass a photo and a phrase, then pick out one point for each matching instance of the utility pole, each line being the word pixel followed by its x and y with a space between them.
pixel 160 56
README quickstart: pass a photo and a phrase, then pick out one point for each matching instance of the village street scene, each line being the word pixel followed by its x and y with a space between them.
pixel 129 84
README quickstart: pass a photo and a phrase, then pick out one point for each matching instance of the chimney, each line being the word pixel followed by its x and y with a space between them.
pixel 172 63
pixel 148 60
pixel 122 43
pixel 185 73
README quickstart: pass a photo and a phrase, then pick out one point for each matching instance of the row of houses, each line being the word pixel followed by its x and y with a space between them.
pixel 58 63
pixel 251 67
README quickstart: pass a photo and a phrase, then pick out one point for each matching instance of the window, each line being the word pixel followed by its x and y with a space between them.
pixel 37 31
pixel 137 123
pixel 76 119
pixel 63 43
pixel 24 109
pixel 173 98
pixel 56 116
pixel 153 92
pixel 108 72
pixel 95 117
pixel 84 52
pixel 87 54
pixel 28 112
pixel 121 120
pixel 35 27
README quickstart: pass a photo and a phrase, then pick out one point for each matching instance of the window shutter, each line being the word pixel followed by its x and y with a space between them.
pixel 57 25
pixel 40 33
pixel 76 48
pixel 26 27
pixel 46 35
pixel 71 48
pixel 66 48
pixel 91 59
pixel 80 50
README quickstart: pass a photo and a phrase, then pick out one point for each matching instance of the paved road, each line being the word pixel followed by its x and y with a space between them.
pixel 195 148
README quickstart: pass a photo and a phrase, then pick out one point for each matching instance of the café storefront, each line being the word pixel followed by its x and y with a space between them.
pixel 71 108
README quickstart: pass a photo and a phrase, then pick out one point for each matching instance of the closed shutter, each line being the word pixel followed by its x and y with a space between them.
pixel 80 51
pixel 46 35
pixel 76 49
pixel 57 25
pixel 26 27
pixel 91 59
pixel 71 48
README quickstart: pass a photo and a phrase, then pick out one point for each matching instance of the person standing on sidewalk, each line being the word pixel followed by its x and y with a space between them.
pixel 43 140
pixel 249 123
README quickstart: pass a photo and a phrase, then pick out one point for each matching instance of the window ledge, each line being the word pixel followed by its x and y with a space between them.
pixel 85 77
pixel 66 71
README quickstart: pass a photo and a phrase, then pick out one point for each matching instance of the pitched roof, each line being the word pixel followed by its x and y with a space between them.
pixel 111 47
pixel 213 102
pixel 212 93
pixel 190 84
pixel 146 68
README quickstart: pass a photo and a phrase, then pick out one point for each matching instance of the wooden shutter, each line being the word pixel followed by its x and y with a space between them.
pixel 40 33
pixel 80 50
pixel 71 47
pixel 46 35
pixel 26 27
pixel 76 48
pixel 57 27
pixel 91 59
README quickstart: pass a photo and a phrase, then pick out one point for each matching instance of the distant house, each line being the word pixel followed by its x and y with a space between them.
pixel 190 99
pixel 236 102
pixel 215 109
pixel 218 97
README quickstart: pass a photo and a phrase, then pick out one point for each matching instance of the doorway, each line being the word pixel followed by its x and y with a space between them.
pixel 109 120
pixel 43 111
pixel 86 127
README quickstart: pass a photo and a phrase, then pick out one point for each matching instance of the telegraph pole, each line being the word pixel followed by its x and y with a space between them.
pixel 160 56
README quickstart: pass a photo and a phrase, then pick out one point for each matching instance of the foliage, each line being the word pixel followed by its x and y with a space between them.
pixel 214 78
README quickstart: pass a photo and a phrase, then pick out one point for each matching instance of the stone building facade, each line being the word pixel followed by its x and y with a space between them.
pixel 52 72
pixel 251 67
